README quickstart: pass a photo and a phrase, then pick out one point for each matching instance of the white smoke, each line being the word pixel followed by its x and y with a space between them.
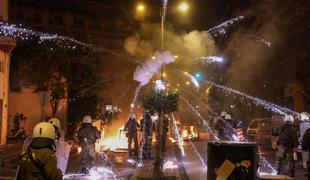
pixel 186 45
pixel 147 70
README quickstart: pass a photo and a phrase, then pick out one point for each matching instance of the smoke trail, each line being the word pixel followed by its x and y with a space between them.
pixel 133 102
pixel 179 139
pixel 144 72
pixel 147 70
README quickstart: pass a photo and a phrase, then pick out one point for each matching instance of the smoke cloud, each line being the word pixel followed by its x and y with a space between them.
pixel 187 45
pixel 248 53
pixel 147 70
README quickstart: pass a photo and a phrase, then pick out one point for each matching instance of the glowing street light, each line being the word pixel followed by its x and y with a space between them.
pixel 140 8
pixel 188 83
pixel 198 75
pixel 183 7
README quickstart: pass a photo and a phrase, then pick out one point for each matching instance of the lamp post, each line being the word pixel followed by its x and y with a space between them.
pixel 183 7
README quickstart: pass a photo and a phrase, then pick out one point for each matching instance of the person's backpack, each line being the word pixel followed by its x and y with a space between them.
pixel 25 162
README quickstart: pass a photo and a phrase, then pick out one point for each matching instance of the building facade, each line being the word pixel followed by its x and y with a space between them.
pixel 94 22
pixel 6 46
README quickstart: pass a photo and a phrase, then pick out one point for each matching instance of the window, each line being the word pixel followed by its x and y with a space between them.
pixel 79 23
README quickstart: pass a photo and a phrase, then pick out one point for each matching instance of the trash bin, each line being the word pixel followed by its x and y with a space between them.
pixel 232 160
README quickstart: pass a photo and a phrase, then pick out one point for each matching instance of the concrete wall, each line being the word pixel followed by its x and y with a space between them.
pixel 4 10
pixel 29 104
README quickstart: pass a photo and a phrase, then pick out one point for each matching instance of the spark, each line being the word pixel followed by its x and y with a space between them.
pixel 178 136
pixel 192 79
pixel 267 105
pixel 267 166
pixel 267 43
pixel 18 31
pixel 200 117
pixel 25 34
pixel 221 29
pixel 198 155
pixel 209 59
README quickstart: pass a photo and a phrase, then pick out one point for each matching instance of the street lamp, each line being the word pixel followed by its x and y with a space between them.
pixel 183 7
pixel 141 8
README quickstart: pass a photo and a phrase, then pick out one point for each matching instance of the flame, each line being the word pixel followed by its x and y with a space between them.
pixel 189 132
pixel 79 149
pixel 118 141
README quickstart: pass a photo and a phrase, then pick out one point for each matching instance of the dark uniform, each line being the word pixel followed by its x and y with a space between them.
pixel 220 127
pixel 287 141
pixel 39 161
pixel 87 136
pixel 131 127
pixel 225 129
pixel 147 132
pixel 306 147
pixel 165 131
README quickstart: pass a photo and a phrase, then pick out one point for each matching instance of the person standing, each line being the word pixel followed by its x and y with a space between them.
pixel 87 135
pixel 39 160
pixel 304 126
pixel 305 145
pixel 131 127
pixel 287 141
pixel 220 126
pixel 147 132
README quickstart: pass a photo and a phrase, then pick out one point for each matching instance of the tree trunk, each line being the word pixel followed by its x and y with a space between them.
pixel 159 157
pixel 54 104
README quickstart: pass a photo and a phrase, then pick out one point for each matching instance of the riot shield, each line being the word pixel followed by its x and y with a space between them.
pixel 62 155
pixel 26 143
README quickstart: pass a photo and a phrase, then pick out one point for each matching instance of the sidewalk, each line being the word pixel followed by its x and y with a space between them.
pixel 8 159
pixel 170 169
